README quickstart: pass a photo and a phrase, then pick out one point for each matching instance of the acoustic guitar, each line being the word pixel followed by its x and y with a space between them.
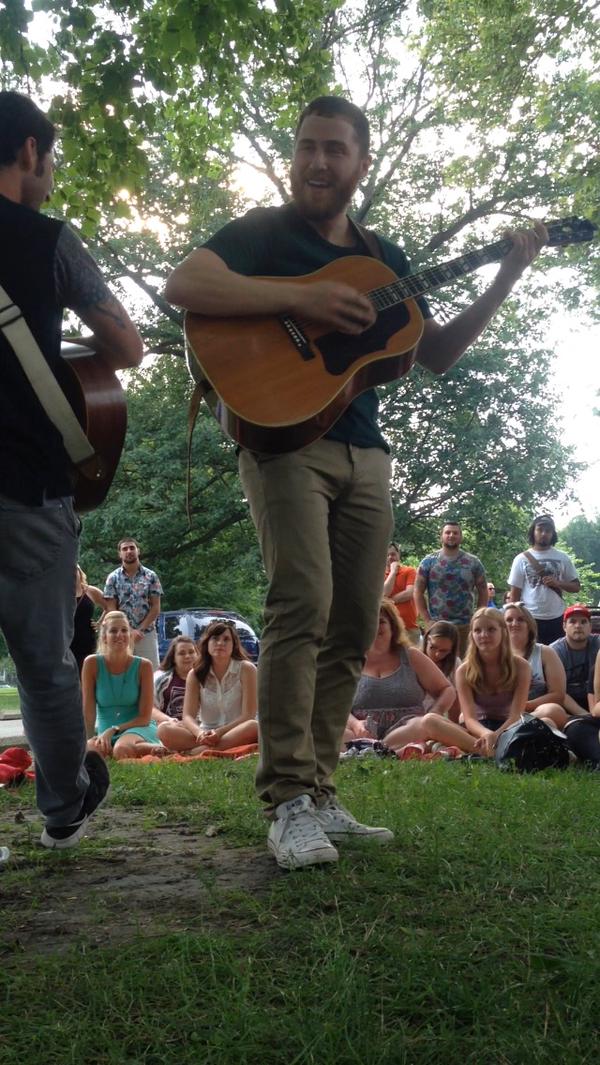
pixel 97 398
pixel 276 384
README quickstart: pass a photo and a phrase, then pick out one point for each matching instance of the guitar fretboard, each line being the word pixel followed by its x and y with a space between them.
pixel 435 276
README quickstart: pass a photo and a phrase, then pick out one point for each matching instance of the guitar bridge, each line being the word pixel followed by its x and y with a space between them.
pixel 298 339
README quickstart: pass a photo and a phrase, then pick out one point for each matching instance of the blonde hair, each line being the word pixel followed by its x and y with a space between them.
pixel 112 615
pixel 475 669
pixel 529 620
pixel 399 637
pixel 82 577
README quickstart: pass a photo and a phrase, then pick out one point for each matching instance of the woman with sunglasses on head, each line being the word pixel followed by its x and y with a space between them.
pixel 492 682
pixel 548 680
pixel 117 694
pixel 389 700
pixel 219 708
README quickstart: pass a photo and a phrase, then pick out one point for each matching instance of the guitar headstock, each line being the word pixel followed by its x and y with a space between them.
pixel 570 231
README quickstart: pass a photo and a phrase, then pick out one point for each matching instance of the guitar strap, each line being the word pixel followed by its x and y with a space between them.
pixel 368 237
pixel 42 380
pixel 539 569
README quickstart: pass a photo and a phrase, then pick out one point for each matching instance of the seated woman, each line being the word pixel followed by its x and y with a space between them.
pixel 492 682
pixel 169 683
pixel 219 708
pixel 548 681
pixel 117 694
pixel 396 677
pixel 440 644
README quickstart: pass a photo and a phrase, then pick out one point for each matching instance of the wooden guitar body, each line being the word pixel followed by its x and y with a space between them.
pixel 97 398
pixel 277 384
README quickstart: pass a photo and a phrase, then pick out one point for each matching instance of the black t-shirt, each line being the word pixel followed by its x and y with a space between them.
pixel 279 242
pixel 43 268
pixel 579 667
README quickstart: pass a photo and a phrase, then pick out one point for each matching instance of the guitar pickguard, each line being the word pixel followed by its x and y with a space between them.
pixel 340 351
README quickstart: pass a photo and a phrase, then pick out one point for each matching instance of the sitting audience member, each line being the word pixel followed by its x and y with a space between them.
pixel 84 633
pixel 399 586
pixel 491 589
pixel 117 694
pixel 396 678
pixel 548 682
pixel 583 733
pixel 219 708
pixel 440 644
pixel 577 650
pixel 169 682
pixel 492 682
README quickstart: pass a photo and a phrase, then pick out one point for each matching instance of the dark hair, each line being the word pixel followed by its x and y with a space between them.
pixel 216 628
pixel 449 632
pixel 338 107
pixel 450 521
pixel 20 118
pixel 168 661
pixel 127 540
pixel 542 519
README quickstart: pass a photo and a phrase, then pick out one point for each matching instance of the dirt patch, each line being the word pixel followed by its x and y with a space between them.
pixel 142 881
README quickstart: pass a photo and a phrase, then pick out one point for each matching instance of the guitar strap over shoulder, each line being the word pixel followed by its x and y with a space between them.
pixel 539 569
pixel 369 238
pixel 42 380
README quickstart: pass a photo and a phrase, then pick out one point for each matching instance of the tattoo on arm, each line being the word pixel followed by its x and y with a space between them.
pixel 111 308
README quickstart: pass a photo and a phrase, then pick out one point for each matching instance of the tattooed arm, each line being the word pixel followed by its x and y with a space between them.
pixel 82 288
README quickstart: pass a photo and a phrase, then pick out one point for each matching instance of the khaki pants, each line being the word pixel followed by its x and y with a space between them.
pixel 323 518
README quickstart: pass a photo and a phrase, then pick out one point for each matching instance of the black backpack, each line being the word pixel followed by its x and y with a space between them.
pixel 530 744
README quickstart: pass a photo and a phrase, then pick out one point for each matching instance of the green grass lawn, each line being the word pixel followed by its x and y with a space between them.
pixel 9 701
pixel 473 938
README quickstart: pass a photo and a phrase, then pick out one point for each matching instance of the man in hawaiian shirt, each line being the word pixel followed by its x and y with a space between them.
pixel 450 579
pixel 136 590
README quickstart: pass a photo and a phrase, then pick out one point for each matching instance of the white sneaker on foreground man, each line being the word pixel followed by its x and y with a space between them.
pixel 322 513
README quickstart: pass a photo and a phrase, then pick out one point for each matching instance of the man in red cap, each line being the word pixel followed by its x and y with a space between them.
pixel 577 650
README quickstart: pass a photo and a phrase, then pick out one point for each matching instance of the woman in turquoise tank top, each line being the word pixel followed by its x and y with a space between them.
pixel 118 692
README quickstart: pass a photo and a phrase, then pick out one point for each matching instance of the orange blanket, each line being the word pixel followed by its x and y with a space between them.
pixel 235 753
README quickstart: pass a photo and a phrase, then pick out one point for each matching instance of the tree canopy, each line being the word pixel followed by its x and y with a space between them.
pixel 483 113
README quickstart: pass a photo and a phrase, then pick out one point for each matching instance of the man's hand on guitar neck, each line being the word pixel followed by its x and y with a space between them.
pixel 441 346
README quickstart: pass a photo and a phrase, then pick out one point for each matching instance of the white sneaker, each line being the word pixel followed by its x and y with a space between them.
pixel 296 838
pixel 339 824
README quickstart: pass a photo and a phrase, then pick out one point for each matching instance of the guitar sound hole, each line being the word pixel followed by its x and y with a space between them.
pixel 340 351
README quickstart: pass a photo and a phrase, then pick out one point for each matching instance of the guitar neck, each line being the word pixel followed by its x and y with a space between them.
pixel 435 276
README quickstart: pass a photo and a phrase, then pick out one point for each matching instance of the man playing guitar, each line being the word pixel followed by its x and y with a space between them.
pixel 43 269
pixel 323 512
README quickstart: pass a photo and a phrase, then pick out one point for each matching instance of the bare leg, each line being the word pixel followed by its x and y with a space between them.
pixel 132 748
pixel 175 736
pixel 242 734
pixel 552 713
pixel 430 727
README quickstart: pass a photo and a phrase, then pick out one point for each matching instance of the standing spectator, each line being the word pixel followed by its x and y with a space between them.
pixel 492 595
pixel 450 578
pixel 538 577
pixel 577 650
pixel 136 591
pixel 399 586
pixel 44 268
pixel 84 630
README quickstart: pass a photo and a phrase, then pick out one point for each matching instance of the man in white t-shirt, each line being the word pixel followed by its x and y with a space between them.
pixel 539 576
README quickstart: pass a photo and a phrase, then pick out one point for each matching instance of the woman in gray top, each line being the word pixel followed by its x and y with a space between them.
pixel 396 678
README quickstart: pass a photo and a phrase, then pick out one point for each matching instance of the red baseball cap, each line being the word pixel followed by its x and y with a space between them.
pixel 577 608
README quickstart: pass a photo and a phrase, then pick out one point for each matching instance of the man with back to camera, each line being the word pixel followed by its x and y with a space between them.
pixel 450 578
pixel 43 269
pixel 539 576
pixel 322 513
pixel 136 590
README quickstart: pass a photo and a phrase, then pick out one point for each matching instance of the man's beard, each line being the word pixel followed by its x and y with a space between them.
pixel 333 203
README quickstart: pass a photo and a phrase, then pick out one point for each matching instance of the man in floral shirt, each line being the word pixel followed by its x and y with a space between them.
pixel 136 591
pixel 450 579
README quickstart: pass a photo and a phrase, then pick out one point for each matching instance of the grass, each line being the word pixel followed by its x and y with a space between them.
pixel 474 938
pixel 9 701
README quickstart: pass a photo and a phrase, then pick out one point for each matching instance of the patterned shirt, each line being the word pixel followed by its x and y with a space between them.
pixel 450 584
pixel 133 593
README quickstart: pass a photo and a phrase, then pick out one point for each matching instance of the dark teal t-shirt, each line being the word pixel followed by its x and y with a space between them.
pixel 279 242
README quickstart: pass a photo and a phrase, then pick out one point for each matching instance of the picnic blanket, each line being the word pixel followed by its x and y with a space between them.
pixel 234 753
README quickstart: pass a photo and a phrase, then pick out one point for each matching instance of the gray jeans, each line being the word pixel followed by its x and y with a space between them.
pixel 38 554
